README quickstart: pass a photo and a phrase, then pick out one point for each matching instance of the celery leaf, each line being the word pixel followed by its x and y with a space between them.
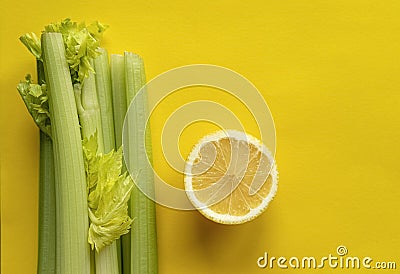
pixel 32 42
pixel 108 194
pixel 81 44
pixel 36 101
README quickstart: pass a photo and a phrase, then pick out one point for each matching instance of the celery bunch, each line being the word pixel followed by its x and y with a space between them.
pixel 79 105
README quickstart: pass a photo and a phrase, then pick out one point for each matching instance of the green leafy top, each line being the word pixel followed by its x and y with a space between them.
pixel 81 44
pixel 32 42
pixel 108 194
pixel 36 101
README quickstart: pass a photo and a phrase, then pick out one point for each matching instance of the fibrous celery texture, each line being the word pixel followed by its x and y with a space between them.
pixel 72 217
pixel 143 234
pixel 108 190
pixel 79 106
pixel 119 110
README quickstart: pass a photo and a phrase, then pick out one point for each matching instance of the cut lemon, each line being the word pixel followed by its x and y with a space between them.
pixel 230 177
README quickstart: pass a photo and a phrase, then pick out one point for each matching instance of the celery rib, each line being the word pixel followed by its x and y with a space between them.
pixel 119 95
pixel 103 86
pixel 119 108
pixel 89 110
pixel 72 223
pixel 104 95
pixel 143 232
pixel 106 260
pixel 47 211
pixel 47 203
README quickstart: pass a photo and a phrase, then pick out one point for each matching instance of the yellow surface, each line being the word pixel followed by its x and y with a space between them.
pixel 329 71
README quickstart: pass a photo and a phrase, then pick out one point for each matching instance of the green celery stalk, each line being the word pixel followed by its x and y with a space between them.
pixel 47 210
pixel 104 95
pixel 143 232
pixel 36 101
pixel 47 200
pixel 103 86
pixel 107 260
pixel 72 222
pixel 86 97
pixel 89 110
pixel 119 95
pixel 119 107
pixel 92 262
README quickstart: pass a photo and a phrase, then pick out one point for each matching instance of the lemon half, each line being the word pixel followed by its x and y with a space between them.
pixel 230 177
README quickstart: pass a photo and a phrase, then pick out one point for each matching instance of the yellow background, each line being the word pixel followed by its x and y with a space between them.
pixel 330 72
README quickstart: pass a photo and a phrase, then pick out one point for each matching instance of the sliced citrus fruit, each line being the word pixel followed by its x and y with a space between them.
pixel 230 177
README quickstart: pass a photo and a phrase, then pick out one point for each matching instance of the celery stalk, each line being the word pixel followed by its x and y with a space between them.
pixel 89 110
pixel 36 101
pixel 47 200
pixel 104 95
pixel 72 223
pixel 103 86
pixel 92 262
pixel 143 232
pixel 106 260
pixel 119 107
pixel 47 211
pixel 119 95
